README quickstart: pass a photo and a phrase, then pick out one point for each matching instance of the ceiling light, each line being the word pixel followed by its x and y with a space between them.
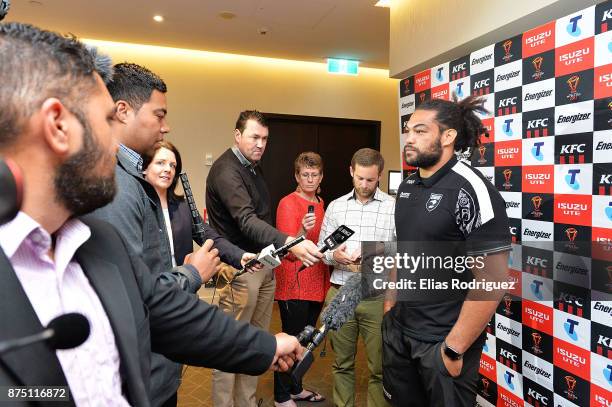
pixel 383 3
pixel 158 18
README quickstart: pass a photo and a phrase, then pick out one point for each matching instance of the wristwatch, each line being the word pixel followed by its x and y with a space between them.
pixel 450 352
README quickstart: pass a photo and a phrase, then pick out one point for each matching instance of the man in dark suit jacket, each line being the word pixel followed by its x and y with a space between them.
pixel 55 124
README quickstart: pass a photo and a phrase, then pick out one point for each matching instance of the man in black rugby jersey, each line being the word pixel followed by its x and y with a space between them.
pixel 431 349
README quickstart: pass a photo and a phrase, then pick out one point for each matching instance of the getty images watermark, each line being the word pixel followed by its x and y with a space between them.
pixel 446 266
pixel 445 271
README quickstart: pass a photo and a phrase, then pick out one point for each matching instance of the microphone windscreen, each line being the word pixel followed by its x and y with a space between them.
pixel 342 307
pixel 69 331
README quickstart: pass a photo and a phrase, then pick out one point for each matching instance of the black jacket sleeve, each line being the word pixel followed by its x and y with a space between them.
pixel 228 252
pixel 190 331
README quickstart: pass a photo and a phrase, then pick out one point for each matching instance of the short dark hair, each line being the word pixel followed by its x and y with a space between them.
pixel 308 159
pixel 134 84
pixel 35 65
pixel 461 116
pixel 243 117
pixel 367 157
pixel 147 159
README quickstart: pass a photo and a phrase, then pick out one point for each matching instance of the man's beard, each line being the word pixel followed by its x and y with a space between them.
pixel 426 159
pixel 364 192
pixel 77 187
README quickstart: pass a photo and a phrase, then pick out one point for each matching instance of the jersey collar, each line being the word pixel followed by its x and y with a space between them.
pixel 430 181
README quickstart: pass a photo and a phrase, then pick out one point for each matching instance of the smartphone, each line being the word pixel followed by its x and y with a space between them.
pixel 310 208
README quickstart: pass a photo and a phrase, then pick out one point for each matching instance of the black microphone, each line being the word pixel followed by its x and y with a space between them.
pixel 334 240
pixel 11 190
pixel 66 331
pixel 197 224
pixel 4 8
pixel 339 310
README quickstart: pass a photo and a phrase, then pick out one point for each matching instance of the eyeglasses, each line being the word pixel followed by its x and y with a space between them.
pixel 305 175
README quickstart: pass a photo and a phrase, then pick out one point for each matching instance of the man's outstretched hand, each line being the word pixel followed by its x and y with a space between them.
pixel 307 252
pixel 288 351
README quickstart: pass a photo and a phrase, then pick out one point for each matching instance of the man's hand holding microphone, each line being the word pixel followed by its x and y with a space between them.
pixel 288 351
pixel 205 260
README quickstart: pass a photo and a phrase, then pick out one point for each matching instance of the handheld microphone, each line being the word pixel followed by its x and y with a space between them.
pixel 280 252
pixel 11 190
pixel 334 240
pixel 339 310
pixel 66 331
pixel 197 224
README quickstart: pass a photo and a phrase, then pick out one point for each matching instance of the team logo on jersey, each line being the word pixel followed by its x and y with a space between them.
pixel 433 201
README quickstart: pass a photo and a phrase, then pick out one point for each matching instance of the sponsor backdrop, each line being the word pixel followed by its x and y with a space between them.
pixel 549 152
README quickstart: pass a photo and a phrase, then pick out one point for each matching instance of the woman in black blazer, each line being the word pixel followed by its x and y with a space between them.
pixel 161 171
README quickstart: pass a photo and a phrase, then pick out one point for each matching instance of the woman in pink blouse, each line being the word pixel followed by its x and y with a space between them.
pixel 300 295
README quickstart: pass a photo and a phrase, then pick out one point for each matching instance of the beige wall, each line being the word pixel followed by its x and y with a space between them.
pixel 425 33
pixel 206 91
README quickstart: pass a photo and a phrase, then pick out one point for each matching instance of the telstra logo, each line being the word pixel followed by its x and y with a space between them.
pixel 607 373
pixel 535 289
pixel 572 28
pixel 439 75
pixel 570 330
pixel 536 150
pixel 458 89
pixel 506 128
pixel 508 378
pixel 571 178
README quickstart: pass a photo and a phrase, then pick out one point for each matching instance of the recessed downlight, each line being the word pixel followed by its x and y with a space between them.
pixel 158 18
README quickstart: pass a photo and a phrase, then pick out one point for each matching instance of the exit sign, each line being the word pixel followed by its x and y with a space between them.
pixel 342 66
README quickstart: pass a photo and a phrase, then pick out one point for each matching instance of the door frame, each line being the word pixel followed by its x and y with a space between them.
pixel 330 120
